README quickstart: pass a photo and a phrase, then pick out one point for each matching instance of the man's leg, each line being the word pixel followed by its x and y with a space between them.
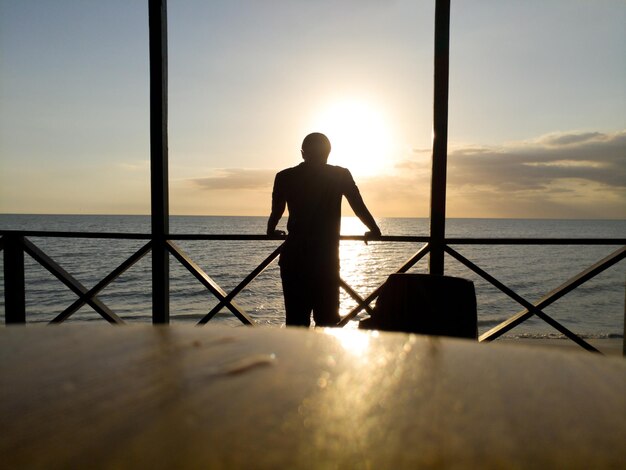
pixel 297 299
pixel 326 298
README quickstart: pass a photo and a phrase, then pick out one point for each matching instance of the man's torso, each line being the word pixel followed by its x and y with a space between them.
pixel 313 193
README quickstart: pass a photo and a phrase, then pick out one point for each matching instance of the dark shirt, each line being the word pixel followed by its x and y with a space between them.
pixel 313 195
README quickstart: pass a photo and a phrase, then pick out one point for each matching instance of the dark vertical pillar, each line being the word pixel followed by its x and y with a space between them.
pixel 14 289
pixel 158 160
pixel 440 137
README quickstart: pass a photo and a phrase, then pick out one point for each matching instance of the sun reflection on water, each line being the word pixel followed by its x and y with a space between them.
pixel 352 226
pixel 357 266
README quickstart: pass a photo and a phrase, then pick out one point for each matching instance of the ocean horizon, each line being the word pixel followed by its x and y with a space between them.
pixel 594 310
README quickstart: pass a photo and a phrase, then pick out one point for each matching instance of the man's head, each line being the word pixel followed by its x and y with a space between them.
pixel 315 148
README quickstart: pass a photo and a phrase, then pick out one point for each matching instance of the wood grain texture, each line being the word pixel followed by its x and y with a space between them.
pixel 82 396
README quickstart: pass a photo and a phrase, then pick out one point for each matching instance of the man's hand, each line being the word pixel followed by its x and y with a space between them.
pixel 276 233
pixel 372 235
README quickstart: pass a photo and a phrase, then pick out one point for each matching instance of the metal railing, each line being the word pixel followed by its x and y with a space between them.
pixel 16 243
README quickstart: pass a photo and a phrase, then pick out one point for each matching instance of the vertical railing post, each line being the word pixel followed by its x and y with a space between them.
pixel 158 160
pixel 14 288
pixel 440 138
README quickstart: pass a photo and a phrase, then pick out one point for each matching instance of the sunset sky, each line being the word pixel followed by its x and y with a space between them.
pixel 537 104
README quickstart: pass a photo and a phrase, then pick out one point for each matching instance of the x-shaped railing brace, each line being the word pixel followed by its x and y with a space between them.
pixel 363 303
pixel 85 296
pixel 226 300
pixel 530 309
pixel 552 296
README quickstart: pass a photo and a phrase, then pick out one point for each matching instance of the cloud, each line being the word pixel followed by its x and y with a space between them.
pixel 556 175
pixel 236 179
pixel 595 157
pixel 567 139
pixel 559 175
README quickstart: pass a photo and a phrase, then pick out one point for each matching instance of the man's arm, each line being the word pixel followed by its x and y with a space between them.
pixel 360 209
pixel 278 208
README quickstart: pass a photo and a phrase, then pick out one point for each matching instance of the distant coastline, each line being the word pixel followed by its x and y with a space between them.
pixel 265 215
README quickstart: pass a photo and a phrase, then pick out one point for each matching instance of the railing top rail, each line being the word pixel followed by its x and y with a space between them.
pixel 536 241
pixel 384 238
pixel 69 234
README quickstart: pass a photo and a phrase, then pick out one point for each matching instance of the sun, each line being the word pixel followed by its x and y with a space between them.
pixel 359 136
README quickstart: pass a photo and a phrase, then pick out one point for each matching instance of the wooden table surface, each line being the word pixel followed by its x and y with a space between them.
pixel 82 396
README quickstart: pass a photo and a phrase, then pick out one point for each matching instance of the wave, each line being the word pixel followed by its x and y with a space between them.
pixel 562 336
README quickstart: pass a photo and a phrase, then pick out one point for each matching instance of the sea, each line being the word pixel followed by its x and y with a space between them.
pixel 594 310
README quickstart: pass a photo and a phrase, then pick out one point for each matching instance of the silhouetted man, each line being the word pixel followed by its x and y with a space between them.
pixel 309 260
